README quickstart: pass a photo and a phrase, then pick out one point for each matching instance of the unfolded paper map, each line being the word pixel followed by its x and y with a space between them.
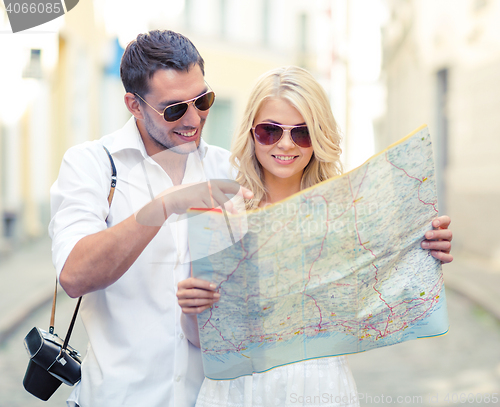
pixel 332 270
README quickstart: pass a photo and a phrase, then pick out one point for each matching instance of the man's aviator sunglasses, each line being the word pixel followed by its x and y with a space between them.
pixel 174 112
pixel 270 133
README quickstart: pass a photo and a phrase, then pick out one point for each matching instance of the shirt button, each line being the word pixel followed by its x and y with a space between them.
pixel 177 378
pixel 181 336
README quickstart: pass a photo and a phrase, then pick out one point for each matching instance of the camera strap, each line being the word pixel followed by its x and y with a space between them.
pixel 75 313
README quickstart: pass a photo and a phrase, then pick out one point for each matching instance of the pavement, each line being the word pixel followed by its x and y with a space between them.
pixel 27 279
pixel 27 282
pixel 476 279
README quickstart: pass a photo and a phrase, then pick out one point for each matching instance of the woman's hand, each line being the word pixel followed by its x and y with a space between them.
pixel 438 241
pixel 195 295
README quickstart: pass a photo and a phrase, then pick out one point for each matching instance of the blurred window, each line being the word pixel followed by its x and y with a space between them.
pixel 3 164
pixel 442 113
pixel 441 135
pixel 188 8
pixel 303 40
pixel 303 23
pixel 479 4
pixel 219 129
pixel 8 218
pixel 266 21
pixel 223 18
pixel 33 68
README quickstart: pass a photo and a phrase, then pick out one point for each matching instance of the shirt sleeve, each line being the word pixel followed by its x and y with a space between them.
pixel 78 199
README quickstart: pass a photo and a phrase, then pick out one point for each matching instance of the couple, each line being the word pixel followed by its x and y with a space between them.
pixel 129 264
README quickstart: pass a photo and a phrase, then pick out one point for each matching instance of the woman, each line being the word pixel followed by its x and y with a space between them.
pixel 288 140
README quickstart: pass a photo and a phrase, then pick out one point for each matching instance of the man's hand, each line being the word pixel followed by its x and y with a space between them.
pixel 438 241
pixel 178 199
pixel 195 295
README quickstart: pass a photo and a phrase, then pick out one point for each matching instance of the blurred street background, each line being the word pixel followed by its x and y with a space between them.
pixel 388 67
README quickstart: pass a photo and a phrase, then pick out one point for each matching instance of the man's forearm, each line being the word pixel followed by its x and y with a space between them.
pixel 99 260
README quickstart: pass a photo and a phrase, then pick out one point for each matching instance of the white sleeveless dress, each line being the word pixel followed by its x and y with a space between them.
pixel 324 382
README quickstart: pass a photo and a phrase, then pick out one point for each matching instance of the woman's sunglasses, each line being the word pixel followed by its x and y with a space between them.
pixel 174 112
pixel 270 133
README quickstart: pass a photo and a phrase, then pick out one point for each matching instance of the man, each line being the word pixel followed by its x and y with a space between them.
pixel 127 265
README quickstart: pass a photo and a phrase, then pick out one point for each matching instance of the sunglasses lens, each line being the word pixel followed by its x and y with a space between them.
pixel 205 102
pixel 175 112
pixel 300 136
pixel 268 134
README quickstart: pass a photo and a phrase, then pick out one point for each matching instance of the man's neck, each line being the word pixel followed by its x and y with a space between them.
pixel 173 164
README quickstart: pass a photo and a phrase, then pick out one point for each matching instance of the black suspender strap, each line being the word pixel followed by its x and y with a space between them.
pixel 75 313
pixel 113 177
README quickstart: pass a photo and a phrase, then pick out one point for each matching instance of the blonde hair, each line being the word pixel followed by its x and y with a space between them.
pixel 301 90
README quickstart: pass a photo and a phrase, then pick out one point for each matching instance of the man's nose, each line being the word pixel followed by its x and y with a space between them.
pixel 192 118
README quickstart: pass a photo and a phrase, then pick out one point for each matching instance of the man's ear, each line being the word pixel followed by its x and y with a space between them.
pixel 133 105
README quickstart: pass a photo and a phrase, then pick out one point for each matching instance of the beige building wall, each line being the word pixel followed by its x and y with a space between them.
pixel 239 41
pixel 474 173
pixel 421 38
pixel 55 104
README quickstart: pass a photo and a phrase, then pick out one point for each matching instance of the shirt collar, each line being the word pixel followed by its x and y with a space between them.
pixel 130 138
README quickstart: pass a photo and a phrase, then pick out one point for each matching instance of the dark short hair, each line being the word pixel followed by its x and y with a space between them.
pixel 154 50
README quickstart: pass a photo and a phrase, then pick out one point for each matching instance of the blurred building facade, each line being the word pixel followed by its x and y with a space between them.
pixel 67 88
pixel 52 81
pixel 441 66
pixel 240 40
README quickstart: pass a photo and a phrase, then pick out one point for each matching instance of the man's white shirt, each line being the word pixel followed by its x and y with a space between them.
pixel 137 354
